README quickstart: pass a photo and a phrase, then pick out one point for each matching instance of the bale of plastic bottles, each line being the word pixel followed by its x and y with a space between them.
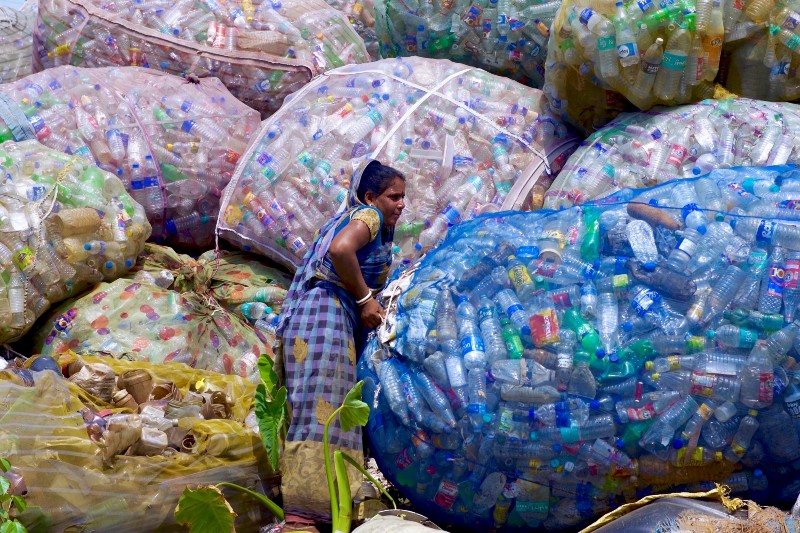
pixel 173 144
pixel 503 37
pixel 166 312
pixel 638 150
pixel 262 51
pixel 239 282
pixel 550 366
pixel 64 225
pixel 467 141
pixel 16 38
pixel 110 440
pixel 759 59
pixel 608 57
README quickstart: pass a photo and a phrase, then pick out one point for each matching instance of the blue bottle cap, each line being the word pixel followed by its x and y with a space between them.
pixel 649 266
pixel 171 229
pixel 557 448
pixel 677 444
pixel 627 327
pixel 701 229
pixel 613 357
pixel 696 171
pixel 600 353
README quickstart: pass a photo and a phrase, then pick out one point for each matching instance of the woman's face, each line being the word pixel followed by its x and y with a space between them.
pixel 390 202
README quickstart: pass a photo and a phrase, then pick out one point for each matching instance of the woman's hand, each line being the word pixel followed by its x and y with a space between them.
pixel 372 314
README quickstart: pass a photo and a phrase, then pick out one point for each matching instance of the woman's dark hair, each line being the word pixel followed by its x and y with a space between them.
pixel 376 178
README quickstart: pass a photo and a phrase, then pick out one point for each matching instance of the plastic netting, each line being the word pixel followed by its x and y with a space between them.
pixel 16 31
pixel 504 37
pixel 550 366
pixel 467 141
pixel 90 464
pixel 640 150
pixel 261 51
pixel 64 225
pixel 174 144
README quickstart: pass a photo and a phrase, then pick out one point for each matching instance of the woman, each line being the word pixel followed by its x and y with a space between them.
pixel 329 308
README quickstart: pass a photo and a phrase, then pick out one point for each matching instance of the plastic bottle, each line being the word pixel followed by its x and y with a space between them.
pixel 507 300
pixel 627 48
pixel 582 381
pixel 491 331
pixel 734 336
pixel 668 78
pixel 520 278
pixel 771 297
pixel 640 236
pixel 473 350
pixel 642 86
pixel 446 317
pixel 742 438
pixel 757 378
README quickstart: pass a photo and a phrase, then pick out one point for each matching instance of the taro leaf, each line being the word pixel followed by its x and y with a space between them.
pixel 205 510
pixel 13 526
pixel 19 503
pixel 353 412
pixel 5 484
pixel 268 375
pixel 271 416
pixel 5 466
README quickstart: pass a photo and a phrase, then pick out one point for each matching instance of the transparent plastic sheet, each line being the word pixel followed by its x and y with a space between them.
pixel 45 437
pixel 64 225
pixel 361 14
pixel 261 51
pixel 467 141
pixel 505 38
pixel 638 150
pixel 16 31
pixel 602 62
pixel 666 377
pixel 174 144
pixel 157 318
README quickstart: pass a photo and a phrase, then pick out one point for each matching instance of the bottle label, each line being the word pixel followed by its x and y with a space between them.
pixel 471 344
pixel 473 15
pixel 485 313
pixel 791 278
pixel 674 61
pixel 650 68
pixel 674 362
pixel 513 346
pixel 644 412
pixel 737 449
pixel 765 231
pixel 775 281
pixel 793 43
pixel 687 246
pixel 645 5
pixel 702 384
pixel 793 408
pixel 585 15
pixel 540 508
pixel 403 460
pixel 606 43
pixel 791 22
pixel 620 281
pixel 561 299
pixel 451 215
pixel 747 338
pixel 676 155
pixel 515 308
pixel 626 50
pixel 544 328
pixel 705 411
pixel 570 434
pixel 766 387
pixel 519 277
pixel 790 204
pixel 643 302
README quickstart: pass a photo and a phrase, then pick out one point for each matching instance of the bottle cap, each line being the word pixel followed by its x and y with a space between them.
pixel 650 266
pixel 677 444
pixel 627 327
pixel 710 334
pixel 697 171
pixel 752 412
pixel 648 365
pixel 757 472
pixel 654 376
pixel 613 357
pixel 701 229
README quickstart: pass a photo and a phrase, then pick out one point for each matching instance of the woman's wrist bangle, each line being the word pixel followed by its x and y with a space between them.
pixel 364 300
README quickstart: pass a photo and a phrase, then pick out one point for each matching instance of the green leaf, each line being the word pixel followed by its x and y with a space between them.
pixel 12 527
pixel 5 484
pixel 204 510
pixel 271 416
pixel 353 412
pixel 5 466
pixel 268 375
pixel 19 503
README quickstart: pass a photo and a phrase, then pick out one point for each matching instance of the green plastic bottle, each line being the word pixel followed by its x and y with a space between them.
pixel 511 339
pixel 590 247
pixel 587 335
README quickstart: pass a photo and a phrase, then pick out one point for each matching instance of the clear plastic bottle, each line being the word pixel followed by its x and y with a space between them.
pixel 507 301
pixel 446 317
pixel 582 382
pixel 757 378
pixel 742 438
pixel 491 331
pixel 627 48
pixel 473 350
pixel 734 336
pixel 668 78
pixel 791 285
pixel 659 437
pixel 771 297
pixel 640 236
pixel 723 292
pixel 680 257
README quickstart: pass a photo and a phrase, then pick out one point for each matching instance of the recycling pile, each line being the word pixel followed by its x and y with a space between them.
pixel 169 312
pixel 468 142
pixel 760 54
pixel 64 225
pixel 501 36
pixel 644 149
pixel 261 51
pixel 111 440
pixel 550 366
pixel 16 30
pixel 604 57
pixel 173 144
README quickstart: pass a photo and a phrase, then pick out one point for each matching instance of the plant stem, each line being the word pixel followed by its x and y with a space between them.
pixel 326 449
pixel 266 502
pixel 342 523
pixel 369 476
